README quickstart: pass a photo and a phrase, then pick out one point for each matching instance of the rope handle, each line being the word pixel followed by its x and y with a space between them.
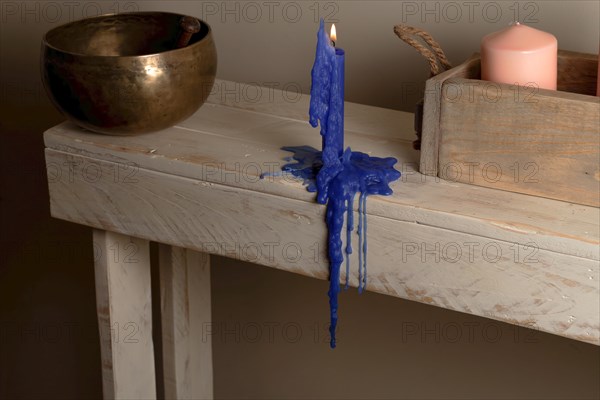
pixel 432 52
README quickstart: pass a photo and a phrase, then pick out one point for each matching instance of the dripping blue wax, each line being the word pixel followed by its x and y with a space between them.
pixel 360 173
pixel 337 175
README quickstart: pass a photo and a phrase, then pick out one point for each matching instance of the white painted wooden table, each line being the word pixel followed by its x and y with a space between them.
pixel 195 189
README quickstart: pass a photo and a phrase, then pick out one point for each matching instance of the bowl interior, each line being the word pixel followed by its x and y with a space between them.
pixel 128 34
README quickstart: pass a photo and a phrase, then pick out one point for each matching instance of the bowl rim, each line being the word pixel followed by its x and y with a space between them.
pixel 193 45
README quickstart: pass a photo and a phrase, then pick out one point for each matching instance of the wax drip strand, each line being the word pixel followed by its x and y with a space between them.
pixel 349 229
pixel 359 232
pixel 364 284
pixel 362 242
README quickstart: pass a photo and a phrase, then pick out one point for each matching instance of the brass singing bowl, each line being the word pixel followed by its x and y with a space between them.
pixel 123 74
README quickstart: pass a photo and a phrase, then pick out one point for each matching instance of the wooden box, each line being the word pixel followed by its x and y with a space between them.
pixel 521 139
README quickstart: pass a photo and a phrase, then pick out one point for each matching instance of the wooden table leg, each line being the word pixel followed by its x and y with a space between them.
pixel 186 313
pixel 124 304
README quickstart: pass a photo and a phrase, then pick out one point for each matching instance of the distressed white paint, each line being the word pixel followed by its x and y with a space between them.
pixel 196 186
pixel 493 278
pixel 186 330
pixel 122 265
pixel 232 147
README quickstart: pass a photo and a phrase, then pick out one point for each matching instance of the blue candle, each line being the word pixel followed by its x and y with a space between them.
pixel 327 107
pixel 337 175
pixel 336 115
pixel 341 174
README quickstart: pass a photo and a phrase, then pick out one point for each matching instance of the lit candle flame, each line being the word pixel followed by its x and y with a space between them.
pixel 333 34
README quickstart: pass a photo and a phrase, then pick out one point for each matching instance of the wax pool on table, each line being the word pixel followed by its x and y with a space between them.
pixel 337 175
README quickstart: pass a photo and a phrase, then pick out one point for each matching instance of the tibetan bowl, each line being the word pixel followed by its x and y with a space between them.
pixel 123 74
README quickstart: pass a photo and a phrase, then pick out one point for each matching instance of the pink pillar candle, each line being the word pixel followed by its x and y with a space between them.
pixel 520 55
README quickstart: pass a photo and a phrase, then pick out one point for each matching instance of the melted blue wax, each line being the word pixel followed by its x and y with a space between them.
pixel 358 173
pixel 337 175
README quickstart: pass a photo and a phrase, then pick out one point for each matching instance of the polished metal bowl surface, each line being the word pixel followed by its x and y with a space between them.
pixel 122 74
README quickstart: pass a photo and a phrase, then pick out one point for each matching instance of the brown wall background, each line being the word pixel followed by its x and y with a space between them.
pixel 270 327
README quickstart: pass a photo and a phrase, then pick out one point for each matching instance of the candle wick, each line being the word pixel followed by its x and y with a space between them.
pixel 333 43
